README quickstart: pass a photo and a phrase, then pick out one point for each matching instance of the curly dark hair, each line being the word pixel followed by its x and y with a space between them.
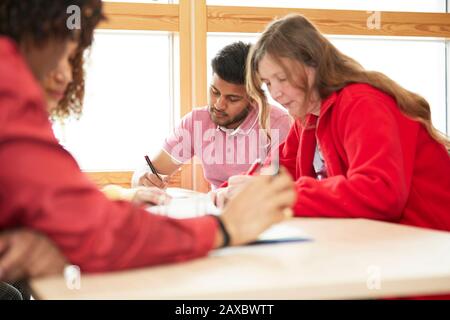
pixel 43 20
pixel 72 102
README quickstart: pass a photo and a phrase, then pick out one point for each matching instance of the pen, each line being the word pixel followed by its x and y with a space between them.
pixel 150 164
pixel 255 166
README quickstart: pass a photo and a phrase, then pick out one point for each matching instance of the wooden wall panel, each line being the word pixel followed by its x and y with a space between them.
pixel 193 19
pixel 339 22
pixel 123 178
pixel 140 16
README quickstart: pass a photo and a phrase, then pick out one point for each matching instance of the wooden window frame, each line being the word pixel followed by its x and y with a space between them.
pixel 193 19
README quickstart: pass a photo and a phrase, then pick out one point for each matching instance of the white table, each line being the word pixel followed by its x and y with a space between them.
pixel 348 258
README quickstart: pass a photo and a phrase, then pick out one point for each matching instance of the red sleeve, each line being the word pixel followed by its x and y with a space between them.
pixel 375 186
pixel 42 188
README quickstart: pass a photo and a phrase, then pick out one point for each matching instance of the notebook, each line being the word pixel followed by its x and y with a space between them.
pixel 281 233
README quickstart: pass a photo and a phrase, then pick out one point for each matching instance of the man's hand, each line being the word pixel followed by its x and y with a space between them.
pixel 26 254
pixel 152 180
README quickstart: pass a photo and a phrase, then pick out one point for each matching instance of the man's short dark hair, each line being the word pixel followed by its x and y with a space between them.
pixel 229 63
pixel 42 20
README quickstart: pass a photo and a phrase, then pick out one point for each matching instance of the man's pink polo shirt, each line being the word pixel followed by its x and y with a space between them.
pixel 225 152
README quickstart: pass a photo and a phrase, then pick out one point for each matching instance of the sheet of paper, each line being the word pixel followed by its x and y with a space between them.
pixel 186 205
pixel 179 193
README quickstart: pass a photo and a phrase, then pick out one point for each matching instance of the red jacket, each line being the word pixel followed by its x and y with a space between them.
pixel 41 187
pixel 380 164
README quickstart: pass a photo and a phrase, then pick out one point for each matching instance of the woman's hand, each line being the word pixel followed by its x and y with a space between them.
pixel 261 202
pixel 221 196
pixel 26 254
pixel 138 195
pixel 151 195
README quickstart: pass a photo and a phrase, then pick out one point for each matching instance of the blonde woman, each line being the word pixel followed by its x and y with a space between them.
pixel 362 146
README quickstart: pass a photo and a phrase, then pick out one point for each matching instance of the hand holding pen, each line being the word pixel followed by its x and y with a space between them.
pixel 230 187
pixel 153 178
pixel 235 183
pixel 253 168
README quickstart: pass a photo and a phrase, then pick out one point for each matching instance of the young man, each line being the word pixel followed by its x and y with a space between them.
pixel 42 187
pixel 225 135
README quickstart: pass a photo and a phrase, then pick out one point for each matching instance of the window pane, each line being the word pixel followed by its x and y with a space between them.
pixel 128 106
pixel 448 88
pixel 416 64
pixel 379 5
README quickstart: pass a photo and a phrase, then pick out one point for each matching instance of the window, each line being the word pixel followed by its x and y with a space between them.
pixel 418 65
pixel 448 86
pixel 133 92
pixel 393 56
pixel 128 106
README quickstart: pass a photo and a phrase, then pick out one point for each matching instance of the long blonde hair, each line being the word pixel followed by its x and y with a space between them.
pixel 296 38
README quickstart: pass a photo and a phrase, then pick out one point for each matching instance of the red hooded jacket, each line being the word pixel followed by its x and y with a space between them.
pixel 380 164
pixel 42 187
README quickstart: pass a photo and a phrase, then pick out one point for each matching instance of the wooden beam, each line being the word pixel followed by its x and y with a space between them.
pixel 101 179
pixel 199 36
pixel 185 57
pixel 186 91
pixel 193 78
pixel 199 78
pixel 123 178
pixel 338 22
pixel 140 16
pixel 192 54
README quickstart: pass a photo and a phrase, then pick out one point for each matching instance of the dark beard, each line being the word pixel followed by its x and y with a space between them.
pixel 237 119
